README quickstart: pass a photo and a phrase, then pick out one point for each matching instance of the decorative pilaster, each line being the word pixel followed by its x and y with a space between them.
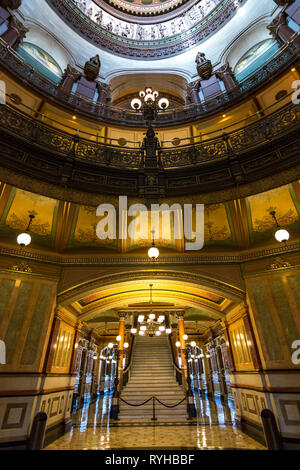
pixel 228 346
pixel 103 93
pixel 252 341
pixel 15 33
pixel 225 73
pixel 75 349
pixel 52 343
pixel 193 93
pixel 281 32
pixel 70 76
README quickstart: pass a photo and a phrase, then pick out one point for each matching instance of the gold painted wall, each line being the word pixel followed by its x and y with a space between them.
pixel 274 300
pixel 26 309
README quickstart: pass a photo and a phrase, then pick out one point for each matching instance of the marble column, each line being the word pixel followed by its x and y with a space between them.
pixel 15 33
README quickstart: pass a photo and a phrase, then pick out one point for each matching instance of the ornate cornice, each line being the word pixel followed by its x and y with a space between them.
pixel 131 260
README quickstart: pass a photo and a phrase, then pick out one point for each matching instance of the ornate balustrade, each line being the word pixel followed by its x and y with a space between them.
pixel 260 149
pixel 29 76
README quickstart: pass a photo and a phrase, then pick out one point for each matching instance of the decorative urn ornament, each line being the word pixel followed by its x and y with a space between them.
pixel 204 66
pixel 12 4
pixel 92 68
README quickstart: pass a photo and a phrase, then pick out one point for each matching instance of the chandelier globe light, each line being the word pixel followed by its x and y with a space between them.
pixel 149 325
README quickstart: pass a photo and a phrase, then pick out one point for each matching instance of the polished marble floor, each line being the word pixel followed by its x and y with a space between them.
pixel 213 428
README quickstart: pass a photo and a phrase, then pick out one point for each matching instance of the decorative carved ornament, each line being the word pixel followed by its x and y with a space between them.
pixel 11 4
pixel 274 26
pixel 21 268
pixel 204 66
pixel 280 263
pixel 92 68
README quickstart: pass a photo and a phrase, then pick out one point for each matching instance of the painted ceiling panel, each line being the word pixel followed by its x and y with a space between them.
pixel 282 200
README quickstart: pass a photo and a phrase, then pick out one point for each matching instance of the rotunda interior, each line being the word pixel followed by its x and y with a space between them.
pixel 149 224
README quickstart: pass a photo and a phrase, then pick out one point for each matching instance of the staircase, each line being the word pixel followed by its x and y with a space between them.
pixel 152 374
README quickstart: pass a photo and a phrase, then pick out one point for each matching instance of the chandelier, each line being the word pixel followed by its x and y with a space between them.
pixel 148 105
pixel 151 325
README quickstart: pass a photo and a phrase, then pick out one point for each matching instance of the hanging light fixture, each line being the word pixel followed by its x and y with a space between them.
pixel 24 239
pixel 150 326
pixel 153 252
pixel 281 234
pixel 148 105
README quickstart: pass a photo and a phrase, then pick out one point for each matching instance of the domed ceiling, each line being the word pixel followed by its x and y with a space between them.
pixel 146 29
pixel 146 7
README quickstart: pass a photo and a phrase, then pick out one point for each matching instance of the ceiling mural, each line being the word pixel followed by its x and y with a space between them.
pixel 217 227
pixel 78 230
pixel 84 232
pixel 16 217
pixel 282 201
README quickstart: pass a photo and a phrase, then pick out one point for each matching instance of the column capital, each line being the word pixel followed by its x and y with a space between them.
pixel 122 316
pixel 180 315
pixel 279 20
pixel 225 69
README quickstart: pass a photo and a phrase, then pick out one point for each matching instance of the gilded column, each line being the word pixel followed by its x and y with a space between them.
pixel 180 317
pixel 122 317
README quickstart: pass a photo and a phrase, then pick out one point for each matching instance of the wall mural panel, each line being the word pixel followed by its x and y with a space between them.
pixel 259 207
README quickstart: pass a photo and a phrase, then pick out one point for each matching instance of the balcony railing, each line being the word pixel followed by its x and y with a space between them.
pixel 265 130
pixel 30 76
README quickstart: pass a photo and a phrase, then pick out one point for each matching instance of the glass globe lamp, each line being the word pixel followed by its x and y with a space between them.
pixel 178 344
pixel 24 239
pixel 133 331
pixel 126 346
pixel 110 345
pixel 282 235
pixel 158 333
pixel 119 338
pixel 168 331
pixel 153 252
